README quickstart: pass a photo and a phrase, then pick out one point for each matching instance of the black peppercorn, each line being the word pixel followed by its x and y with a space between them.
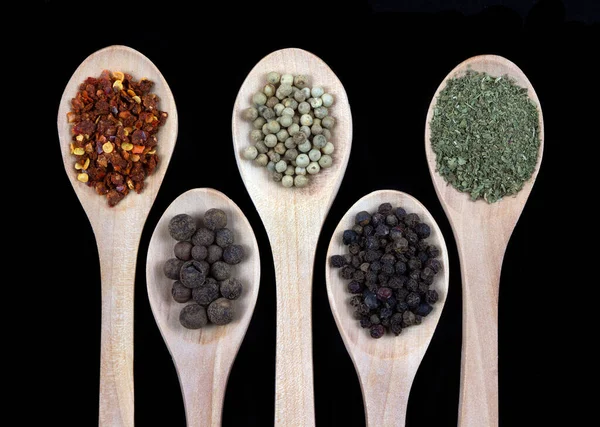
pixel 337 261
pixel 384 293
pixel 423 309
pixel 371 242
pixel 221 311
pixel 385 208
pixel 400 213
pixel 423 230
pixel 180 293
pixel 375 266
pixel 422 256
pixel 359 276
pixel 347 272
pixel 372 255
pixel 370 277
pixel 374 319
pixel 193 273
pixel 396 323
pixel 203 237
pixel 411 236
pixel 233 254
pixel 356 262
pixel 182 227
pixel 231 288
pixel 401 307
pixel 395 282
pixel 383 278
pixel 377 219
pixel 388 269
pixel 368 230
pixel 382 230
pixel 363 218
pixel 355 287
pixel 422 289
pixel 433 251
pixel 413 300
pixel 215 253
pixel 193 316
pixel 395 233
pixel 356 300
pixel 389 259
pixel 349 236
pixel 390 302
pixel 411 285
pixel 172 268
pixel 199 253
pixel 408 318
pixel 206 293
pixel 385 313
pixel 371 300
pixel 431 296
pixel 365 322
pixel 412 219
pixel 414 263
pixel 183 250
pixel 434 264
pixel 354 248
pixel 400 267
pixel 391 220
pixel 400 245
pixel 220 270
pixel 401 294
pixel 223 237
pixel 214 219
pixel 364 267
pixel 377 331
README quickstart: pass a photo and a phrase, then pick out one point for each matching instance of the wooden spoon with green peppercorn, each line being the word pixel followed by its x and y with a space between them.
pixel 118 229
pixel 482 231
pixel 386 366
pixel 293 218
pixel 203 357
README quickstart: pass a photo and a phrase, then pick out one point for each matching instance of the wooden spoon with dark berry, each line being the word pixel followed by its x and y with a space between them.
pixel 387 281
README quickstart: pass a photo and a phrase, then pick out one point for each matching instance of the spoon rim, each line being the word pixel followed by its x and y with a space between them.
pixel 518 199
pixel 420 335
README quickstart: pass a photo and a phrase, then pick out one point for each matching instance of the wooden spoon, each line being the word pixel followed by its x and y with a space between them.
pixel 386 366
pixel 118 230
pixel 293 218
pixel 482 232
pixel 202 357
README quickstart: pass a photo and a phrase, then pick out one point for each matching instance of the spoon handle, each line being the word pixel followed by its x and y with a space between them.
pixel 386 386
pixel 294 239
pixel 117 267
pixel 480 268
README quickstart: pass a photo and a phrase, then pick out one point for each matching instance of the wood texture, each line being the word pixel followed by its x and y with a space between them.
pixel 293 218
pixel 482 232
pixel 118 230
pixel 386 366
pixel 203 357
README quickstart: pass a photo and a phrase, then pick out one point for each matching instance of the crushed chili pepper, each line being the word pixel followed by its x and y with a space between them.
pixel 115 121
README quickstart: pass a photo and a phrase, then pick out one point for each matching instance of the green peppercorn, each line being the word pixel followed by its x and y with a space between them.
pixel 290 103
pixel 277 176
pixel 287 79
pixel 306 120
pixel 273 156
pixel 290 154
pixel 313 168
pixel 250 114
pixel 290 170
pixel 281 166
pixel 319 141
pixel 315 102
pixel 305 147
pixel 287 181
pixel 327 99
pixel 321 112
pixel 326 133
pixel 259 123
pixel 283 91
pixel 269 90
pixel 250 153
pixel 285 121
pixel 273 77
pixel 259 98
pixel 273 126
pixel 300 170
pixel 282 135
pixel 328 148
pixel 262 159
pixel 325 161
pixel 278 108
pixel 317 92
pixel 300 81
pixel 272 102
pixel 300 181
pixel 304 108
pixel 314 155
pixel 271 166
pixel 302 160
pixel 316 128
pixel 327 122
pixel 299 96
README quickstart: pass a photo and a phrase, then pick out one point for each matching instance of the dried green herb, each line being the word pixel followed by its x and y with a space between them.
pixel 485 134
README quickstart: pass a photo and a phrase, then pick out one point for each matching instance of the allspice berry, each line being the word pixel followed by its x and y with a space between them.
pixel 206 293
pixel 193 273
pixel 180 293
pixel 220 270
pixel 231 288
pixel 233 254
pixel 203 237
pixel 199 253
pixel 193 316
pixel 223 237
pixel 221 311
pixel 215 253
pixel 172 268
pixel 182 227
pixel 183 250
pixel 214 219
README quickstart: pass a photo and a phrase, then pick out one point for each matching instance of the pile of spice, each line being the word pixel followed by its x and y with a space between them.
pixel 390 267
pixel 291 133
pixel 202 268
pixel 115 121
pixel 485 134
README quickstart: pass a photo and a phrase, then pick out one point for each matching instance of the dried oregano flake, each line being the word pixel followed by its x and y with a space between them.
pixel 485 134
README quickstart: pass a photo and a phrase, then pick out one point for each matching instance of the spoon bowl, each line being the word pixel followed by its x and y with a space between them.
pixel 118 229
pixel 386 366
pixel 202 357
pixel 293 218
pixel 482 232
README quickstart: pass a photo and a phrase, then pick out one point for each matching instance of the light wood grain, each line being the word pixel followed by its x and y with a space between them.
pixel 482 232
pixel 202 357
pixel 118 230
pixel 293 218
pixel 386 366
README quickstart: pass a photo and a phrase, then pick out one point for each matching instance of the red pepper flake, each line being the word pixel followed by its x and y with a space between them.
pixel 116 110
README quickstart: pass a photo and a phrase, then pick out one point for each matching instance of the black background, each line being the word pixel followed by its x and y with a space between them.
pixel 390 56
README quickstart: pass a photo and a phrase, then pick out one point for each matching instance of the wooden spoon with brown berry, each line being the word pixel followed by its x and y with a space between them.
pixel 117 126
pixel 202 337
pixel 386 320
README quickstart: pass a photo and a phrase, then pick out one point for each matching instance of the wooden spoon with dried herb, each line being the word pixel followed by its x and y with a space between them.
pixel 117 228
pixel 484 140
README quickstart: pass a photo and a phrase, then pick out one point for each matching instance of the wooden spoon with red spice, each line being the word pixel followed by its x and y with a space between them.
pixel 118 229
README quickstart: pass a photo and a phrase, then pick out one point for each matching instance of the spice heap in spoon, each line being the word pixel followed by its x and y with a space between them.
pixel 201 269
pixel 391 268
pixel 292 129
pixel 115 121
